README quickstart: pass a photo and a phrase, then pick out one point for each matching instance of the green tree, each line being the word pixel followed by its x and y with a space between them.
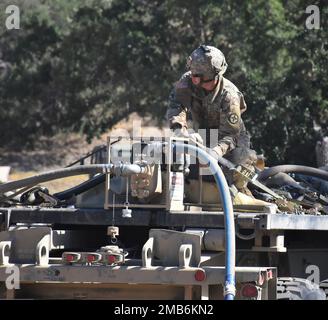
pixel 84 65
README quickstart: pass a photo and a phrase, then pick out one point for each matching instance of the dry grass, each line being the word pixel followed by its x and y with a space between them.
pixel 59 151
pixel 55 185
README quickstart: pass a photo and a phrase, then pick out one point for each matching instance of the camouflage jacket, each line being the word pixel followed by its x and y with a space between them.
pixel 220 109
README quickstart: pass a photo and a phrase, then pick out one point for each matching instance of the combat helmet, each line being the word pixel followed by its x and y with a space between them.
pixel 208 61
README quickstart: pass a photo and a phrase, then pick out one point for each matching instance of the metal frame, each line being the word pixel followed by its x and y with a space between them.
pixel 135 274
pixel 108 204
pixel 154 217
pixel 293 222
pixel 90 217
pixel 140 276
pixel 167 203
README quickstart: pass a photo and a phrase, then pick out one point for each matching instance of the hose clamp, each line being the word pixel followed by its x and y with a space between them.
pixel 117 169
pixel 107 168
pixel 229 288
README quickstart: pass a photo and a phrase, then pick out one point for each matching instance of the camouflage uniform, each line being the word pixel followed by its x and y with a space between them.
pixel 221 109
pixel 218 109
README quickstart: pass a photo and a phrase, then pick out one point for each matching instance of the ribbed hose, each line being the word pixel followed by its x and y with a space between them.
pixel 122 169
pixel 281 179
pixel 289 168
pixel 230 246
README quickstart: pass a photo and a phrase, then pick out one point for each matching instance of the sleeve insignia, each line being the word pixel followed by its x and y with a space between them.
pixel 233 118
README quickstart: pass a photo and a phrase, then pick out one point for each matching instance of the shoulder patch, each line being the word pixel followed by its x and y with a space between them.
pixel 233 118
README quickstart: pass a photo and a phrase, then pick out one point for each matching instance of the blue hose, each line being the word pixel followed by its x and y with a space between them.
pixel 230 246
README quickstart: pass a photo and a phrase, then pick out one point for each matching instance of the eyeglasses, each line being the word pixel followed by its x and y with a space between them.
pixel 199 79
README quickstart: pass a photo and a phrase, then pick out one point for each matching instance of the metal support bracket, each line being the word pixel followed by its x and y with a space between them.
pixel 277 241
pixel 185 253
pixel 5 247
pixel 42 251
pixel 147 253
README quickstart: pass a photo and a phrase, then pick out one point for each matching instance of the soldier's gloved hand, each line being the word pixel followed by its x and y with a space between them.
pixel 217 152
pixel 252 158
pixel 244 156
pixel 196 138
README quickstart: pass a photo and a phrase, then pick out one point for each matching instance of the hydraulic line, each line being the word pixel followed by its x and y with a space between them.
pixel 230 246
pixel 121 169
pixel 81 160
pixel 84 186
pixel 222 161
pixel 281 179
pixel 289 168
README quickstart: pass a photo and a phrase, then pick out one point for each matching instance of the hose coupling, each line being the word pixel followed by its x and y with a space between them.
pixel 229 288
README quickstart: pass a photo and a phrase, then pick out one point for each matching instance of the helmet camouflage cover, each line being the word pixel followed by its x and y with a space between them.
pixel 208 61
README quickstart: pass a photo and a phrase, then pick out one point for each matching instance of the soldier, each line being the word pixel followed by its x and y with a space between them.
pixel 214 103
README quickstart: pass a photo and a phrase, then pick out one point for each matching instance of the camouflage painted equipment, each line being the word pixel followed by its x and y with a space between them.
pixel 208 61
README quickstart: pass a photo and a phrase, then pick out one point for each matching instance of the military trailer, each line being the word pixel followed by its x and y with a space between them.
pixel 144 227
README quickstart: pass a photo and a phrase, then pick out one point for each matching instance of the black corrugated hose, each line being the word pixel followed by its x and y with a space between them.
pixel 289 168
